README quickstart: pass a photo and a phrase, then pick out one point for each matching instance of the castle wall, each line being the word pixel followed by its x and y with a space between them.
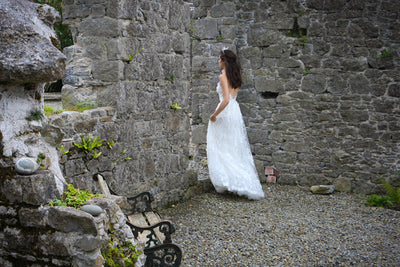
pixel 134 57
pixel 321 92
pixel 320 96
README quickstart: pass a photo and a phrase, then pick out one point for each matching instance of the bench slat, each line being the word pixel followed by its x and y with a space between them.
pixel 154 218
pixel 139 220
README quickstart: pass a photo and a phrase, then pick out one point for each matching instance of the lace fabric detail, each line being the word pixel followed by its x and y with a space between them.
pixel 230 162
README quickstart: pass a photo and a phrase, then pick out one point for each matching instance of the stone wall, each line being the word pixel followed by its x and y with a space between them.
pixel 133 56
pixel 320 96
pixel 58 236
pixel 33 233
pixel 321 93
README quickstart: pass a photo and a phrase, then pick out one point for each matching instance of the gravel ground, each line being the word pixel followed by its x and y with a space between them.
pixel 290 227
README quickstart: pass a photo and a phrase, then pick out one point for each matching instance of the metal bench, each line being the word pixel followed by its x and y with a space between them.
pixel 148 228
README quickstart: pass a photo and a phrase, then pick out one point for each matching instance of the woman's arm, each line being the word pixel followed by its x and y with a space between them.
pixel 223 80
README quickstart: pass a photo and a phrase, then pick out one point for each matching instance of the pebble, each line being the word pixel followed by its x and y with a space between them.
pixel 26 166
pixel 92 209
pixel 290 227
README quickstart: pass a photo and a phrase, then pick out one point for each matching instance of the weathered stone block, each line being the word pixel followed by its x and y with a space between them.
pixel 74 12
pixel 263 84
pixel 250 57
pixel 107 70
pixel 74 167
pixel 66 219
pixel 257 136
pixel 288 62
pixel 88 243
pixel 55 244
pixel 228 32
pixel 280 21
pixel 226 9
pixel 205 29
pixel 394 90
pixel 259 36
pixel 316 29
pixel 343 184
pixel 284 157
pixel 206 3
pixel 314 83
pixel 273 51
pixel 98 11
pixel 36 189
pixel 114 50
pixel 15 239
pixel 199 134
pixel 32 217
pixel 202 64
pixel 368 131
pixel 106 27
pixel 337 86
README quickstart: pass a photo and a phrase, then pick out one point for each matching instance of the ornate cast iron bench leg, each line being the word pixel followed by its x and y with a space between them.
pixel 165 255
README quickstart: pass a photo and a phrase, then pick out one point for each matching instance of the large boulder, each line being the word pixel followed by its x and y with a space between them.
pixel 27 43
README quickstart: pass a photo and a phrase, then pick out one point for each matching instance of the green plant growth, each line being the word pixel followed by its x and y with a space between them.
pixel 377 201
pixel 387 53
pixel 49 110
pixel 301 11
pixel 89 144
pixel 392 197
pixel 298 32
pixel 175 106
pixel 62 149
pixel 170 78
pixel 82 106
pixel 393 192
pixel 306 70
pixel 110 144
pixel 120 253
pixel 73 197
pixel 130 57
pixel 191 33
pixel 96 154
pixel 35 115
pixel 40 158
pixel 219 37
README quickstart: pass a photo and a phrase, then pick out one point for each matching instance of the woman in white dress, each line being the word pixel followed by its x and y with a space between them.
pixel 230 162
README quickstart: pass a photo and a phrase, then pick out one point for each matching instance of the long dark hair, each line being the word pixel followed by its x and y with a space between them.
pixel 232 68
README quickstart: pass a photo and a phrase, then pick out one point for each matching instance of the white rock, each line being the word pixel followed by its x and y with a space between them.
pixel 92 209
pixel 26 166
pixel 322 189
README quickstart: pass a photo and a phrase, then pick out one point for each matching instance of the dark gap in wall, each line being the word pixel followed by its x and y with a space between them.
pixel 269 95
pixel 54 87
pixel 296 31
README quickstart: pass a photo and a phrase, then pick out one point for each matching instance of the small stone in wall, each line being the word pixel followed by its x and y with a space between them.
pixel 322 189
pixel 92 209
pixel 26 166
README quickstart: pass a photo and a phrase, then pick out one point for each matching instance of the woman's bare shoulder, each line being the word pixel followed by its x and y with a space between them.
pixel 222 77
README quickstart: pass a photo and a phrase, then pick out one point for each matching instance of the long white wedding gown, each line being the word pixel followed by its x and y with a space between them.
pixel 230 162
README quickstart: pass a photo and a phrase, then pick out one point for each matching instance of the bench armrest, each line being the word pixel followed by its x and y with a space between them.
pixel 140 202
pixel 165 227
pixel 163 255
